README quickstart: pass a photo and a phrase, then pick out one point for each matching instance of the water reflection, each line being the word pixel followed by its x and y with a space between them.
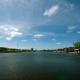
pixel 8 66
pixel 39 67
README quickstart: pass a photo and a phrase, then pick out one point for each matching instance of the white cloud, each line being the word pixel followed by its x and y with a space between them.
pixel 38 35
pixel 24 40
pixel 53 39
pixel 78 32
pixel 1 37
pixel 54 9
pixel 8 38
pixel 69 6
pixel 34 39
pixel 9 31
pixel 43 35
pixel 71 28
pixel 50 34
pixel 58 43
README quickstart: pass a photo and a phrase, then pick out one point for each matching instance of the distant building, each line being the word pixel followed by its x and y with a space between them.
pixel 70 49
pixel 32 49
pixel 77 50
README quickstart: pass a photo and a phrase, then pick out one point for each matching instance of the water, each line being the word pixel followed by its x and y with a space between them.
pixel 39 66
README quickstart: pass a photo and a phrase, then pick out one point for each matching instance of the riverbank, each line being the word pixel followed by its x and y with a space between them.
pixel 70 50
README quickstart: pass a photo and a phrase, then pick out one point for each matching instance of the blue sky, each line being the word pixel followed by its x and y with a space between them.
pixel 39 23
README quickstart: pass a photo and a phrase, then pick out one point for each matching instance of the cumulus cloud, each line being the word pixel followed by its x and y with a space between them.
pixel 54 9
pixel 9 31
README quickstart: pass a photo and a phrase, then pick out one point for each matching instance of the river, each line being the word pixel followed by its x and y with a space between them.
pixel 39 66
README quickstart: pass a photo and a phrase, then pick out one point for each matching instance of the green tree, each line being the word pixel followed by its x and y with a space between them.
pixel 77 44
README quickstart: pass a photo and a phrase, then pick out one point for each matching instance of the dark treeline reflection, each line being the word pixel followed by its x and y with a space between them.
pixel 40 66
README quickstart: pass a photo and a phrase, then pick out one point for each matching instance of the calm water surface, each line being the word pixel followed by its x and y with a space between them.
pixel 39 66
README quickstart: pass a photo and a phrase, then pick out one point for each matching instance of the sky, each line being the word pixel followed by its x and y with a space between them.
pixel 40 24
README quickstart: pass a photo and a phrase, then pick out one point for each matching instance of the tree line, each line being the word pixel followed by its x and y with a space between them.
pixel 4 49
pixel 76 45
